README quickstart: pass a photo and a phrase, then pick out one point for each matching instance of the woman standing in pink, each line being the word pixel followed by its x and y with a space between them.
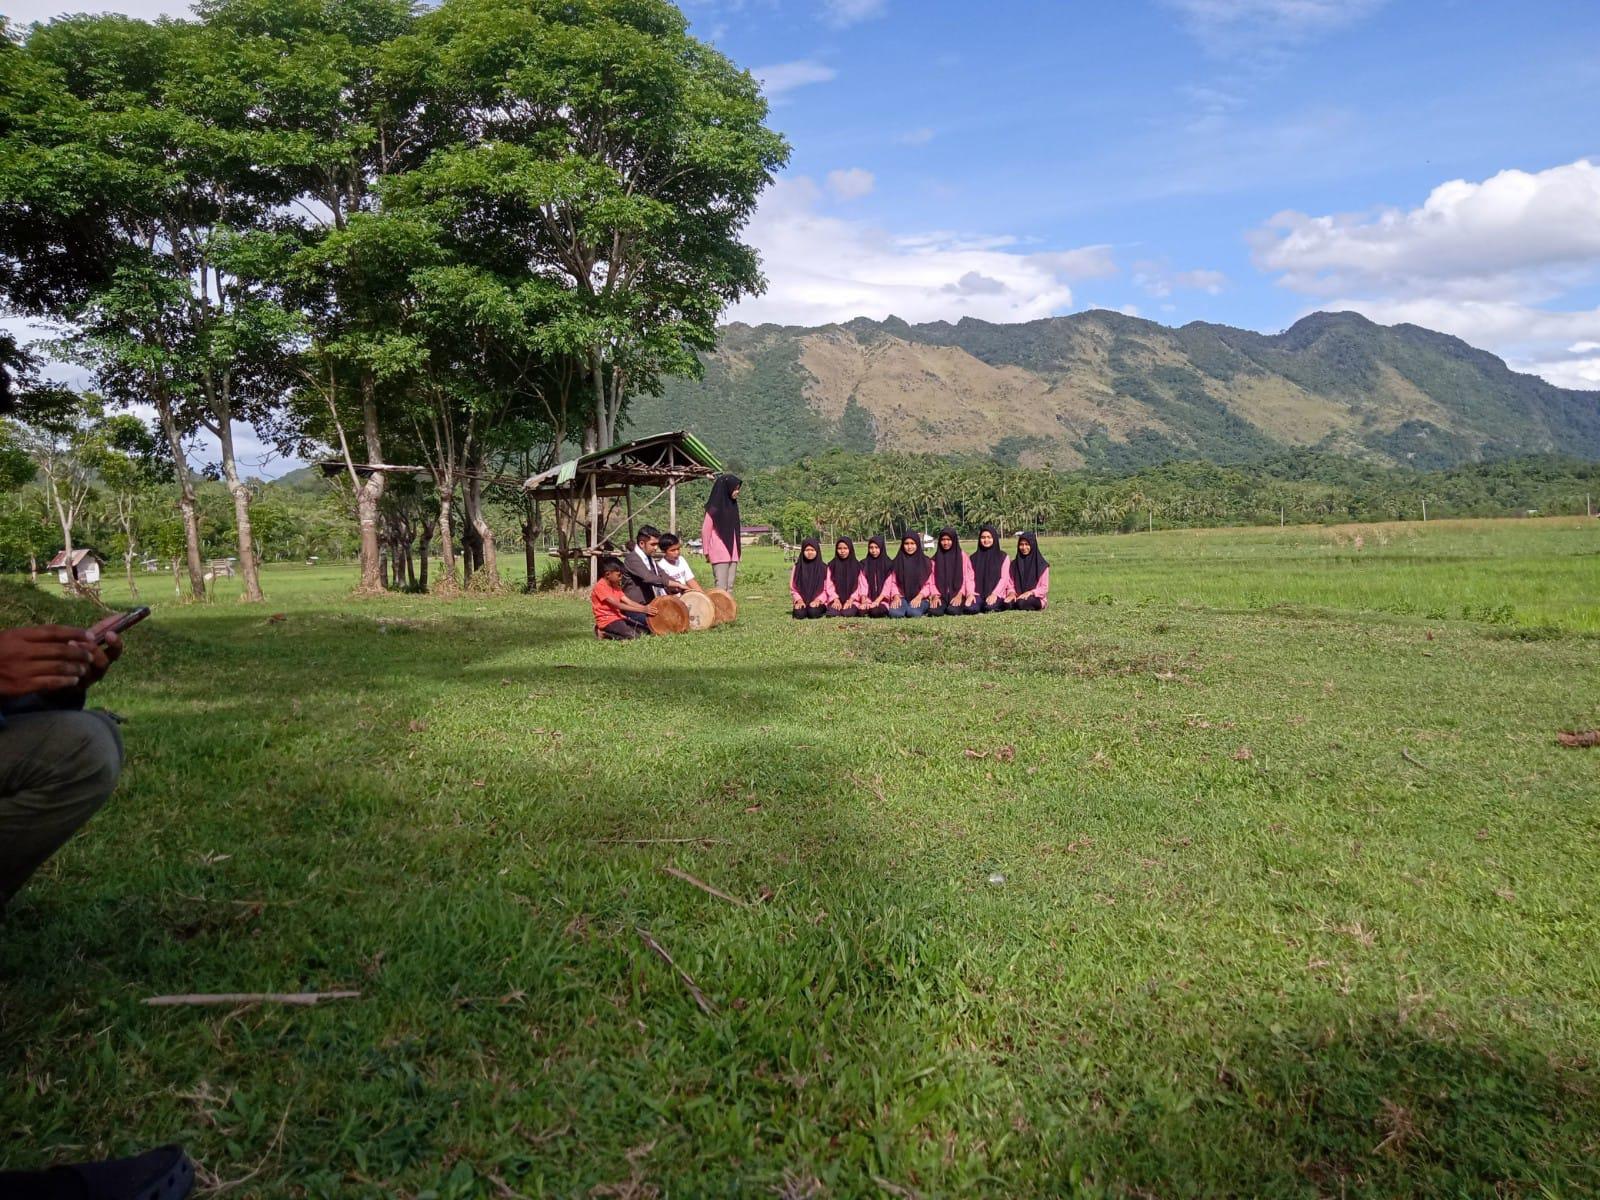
pixel 1030 575
pixel 719 532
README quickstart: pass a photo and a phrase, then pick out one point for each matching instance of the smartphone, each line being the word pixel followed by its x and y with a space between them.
pixel 122 621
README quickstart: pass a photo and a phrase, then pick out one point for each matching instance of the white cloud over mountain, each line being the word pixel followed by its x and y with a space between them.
pixel 778 78
pixel 851 184
pixel 823 268
pixel 1496 262
pixel 1228 28
pixel 844 13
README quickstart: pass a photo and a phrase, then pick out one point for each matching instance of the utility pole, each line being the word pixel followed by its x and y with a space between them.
pixel 1424 508
pixel 1280 516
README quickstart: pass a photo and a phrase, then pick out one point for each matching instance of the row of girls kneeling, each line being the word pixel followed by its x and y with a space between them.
pixel 951 583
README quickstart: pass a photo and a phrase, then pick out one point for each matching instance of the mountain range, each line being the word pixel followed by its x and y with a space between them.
pixel 1102 389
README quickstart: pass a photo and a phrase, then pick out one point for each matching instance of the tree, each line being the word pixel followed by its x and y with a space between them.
pixel 797 520
pixel 131 469
pixel 62 436
pixel 594 168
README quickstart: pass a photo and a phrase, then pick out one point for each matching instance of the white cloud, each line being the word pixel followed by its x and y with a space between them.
pixel 843 13
pixel 1159 279
pixel 1514 229
pixel 1228 28
pixel 916 137
pixel 24 12
pixel 823 269
pixel 779 78
pixel 1496 262
pixel 1086 262
pixel 851 184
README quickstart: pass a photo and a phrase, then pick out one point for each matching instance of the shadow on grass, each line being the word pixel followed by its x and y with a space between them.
pixel 1362 1105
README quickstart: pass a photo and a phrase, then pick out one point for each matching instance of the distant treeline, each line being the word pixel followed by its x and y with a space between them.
pixel 841 490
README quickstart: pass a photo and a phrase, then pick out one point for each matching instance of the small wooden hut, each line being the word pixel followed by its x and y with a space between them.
pixel 656 464
pixel 80 569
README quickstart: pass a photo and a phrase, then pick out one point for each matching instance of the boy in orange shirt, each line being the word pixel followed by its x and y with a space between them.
pixel 615 616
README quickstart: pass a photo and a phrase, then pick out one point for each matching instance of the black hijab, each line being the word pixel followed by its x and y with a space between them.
pixel 809 574
pixel 724 509
pixel 1026 568
pixel 877 570
pixel 911 571
pixel 845 572
pixel 949 566
pixel 986 564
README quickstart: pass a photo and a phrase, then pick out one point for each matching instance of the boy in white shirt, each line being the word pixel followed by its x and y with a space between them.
pixel 673 565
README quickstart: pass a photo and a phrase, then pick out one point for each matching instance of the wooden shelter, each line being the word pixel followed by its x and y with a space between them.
pixel 591 484
pixel 81 568
pixel 660 462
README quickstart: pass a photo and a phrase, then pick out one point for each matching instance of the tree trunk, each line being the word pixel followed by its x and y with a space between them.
pixel 127 564
pixel 447 548
pixel 370 490
pixel 33 567
pixel 531 529
pixel 488 563
pixel 186 502
pixel 241 513
pixel 424 553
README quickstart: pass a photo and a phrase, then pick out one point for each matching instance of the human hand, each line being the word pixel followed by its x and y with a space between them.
pixel 48 658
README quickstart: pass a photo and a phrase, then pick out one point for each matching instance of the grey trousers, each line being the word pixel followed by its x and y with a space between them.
pixel 722 575
pixel 56 770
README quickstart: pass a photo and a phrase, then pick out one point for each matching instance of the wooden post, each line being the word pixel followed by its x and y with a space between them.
pixel 594 533
pixel 1424 508
pixel 672 507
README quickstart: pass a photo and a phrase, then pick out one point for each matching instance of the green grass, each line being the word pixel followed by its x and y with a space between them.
pixel 1298 890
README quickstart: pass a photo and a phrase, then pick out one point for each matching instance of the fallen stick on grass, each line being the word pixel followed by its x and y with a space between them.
pixel 660 952
pixel 653 841
pixel 303 998
pixel 1412 758
pixel 704 886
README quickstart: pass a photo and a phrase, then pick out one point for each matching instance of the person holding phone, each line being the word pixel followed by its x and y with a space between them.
pixel 58 760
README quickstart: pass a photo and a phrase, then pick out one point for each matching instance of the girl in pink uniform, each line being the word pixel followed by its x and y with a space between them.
pixel 878 589
pixel 952 578
pixel 719 532
pixel 913 578
pixel 1030 575
pixel 809 585
pixel 846 578
pixel 991 573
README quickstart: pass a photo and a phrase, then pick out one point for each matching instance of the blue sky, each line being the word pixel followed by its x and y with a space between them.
pixel 1138 155
pixel 1238 161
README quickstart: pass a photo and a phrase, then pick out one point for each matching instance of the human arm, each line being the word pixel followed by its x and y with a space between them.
pixel 969 586
pixel 1002 587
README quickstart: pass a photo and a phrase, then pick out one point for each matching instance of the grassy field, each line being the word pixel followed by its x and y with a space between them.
pixel 1250 868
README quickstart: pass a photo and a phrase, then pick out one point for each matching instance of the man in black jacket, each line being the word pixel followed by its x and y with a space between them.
pixel 642 582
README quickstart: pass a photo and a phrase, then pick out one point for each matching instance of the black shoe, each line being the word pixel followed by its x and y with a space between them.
pixel 164 1174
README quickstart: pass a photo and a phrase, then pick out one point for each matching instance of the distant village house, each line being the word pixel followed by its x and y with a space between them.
pixel 750 534
pixel 82 571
